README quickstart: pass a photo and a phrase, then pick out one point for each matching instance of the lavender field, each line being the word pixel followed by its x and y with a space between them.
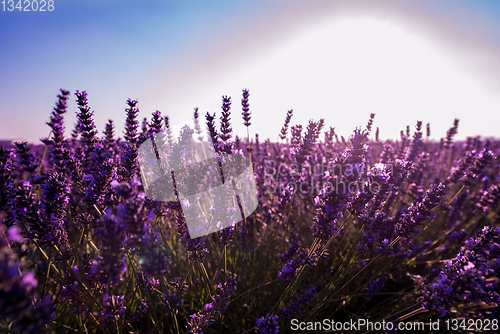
pixel 346 230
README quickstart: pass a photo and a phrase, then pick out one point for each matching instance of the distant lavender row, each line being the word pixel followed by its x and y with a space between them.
pixel 82 248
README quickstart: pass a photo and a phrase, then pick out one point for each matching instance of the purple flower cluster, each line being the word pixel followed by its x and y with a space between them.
pixel 201 320
pixel 83 249
pixel 267 325
pixel 471 277
pixel 17 289
pixel 296 305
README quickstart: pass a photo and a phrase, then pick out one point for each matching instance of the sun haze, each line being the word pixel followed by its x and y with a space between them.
pixel 324 59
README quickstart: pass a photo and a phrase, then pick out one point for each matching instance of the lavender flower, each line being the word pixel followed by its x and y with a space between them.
pixel 27 159
pixel 139 312
pixel 301 258
pixel 214 136
pixel 225 125
pixel 15 288
pixel 284 129
pixel 459 171
pixel 37 317
pixel 22 208
pixel 109 135
pixel 133 212
pixel 144 132
pixel 296 140
pixel 267 325
pixel 451 133
pixel 195 247
pixel 201 320
pixel 131 124
pixel 113 309
pixel 480 163
pixel 6 178
pixel 171 301
pixel 197 127
pixel 71 295
pixel 111 264
pixel 87 127
pixel 146 283
pixel 98 190
pixel 257 145
pixel 416 143
pixel 57 121
pixel 302 147
pixel 227 235
pixel 329 135
pixel 417 213
pixel 129 164
pixel 375 286
pixel 467 278
pixel 294 246
pixel 370 123
pixel 59 154
pixel 156 124
pixel 246 114
pixel 295 306
pixel 168 131
pixel 488 198
pixel 329 206
pixel 104 251
pixel 50 229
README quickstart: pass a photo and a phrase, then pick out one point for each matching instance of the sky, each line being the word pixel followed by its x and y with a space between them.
pixel 404 60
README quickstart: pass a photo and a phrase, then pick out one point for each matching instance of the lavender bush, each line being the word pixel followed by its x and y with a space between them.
pixel 345 229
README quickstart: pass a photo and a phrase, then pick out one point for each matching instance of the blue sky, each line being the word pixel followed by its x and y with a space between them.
pixel 403 60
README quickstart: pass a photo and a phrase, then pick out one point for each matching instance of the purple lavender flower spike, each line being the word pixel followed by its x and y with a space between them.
pixel 451 133
pixel 109 135
pixel 87 127
pixel 27 158
pixel 370 123
pixel 156 124
pixel 113 309
pixel 481 161
pixel 131 124
pixel 411 220
pixel 6 179
pixel 245 106
pixel 468 277
pixel 201 320
pixel 284 129
pixel 56 122
pixel 139 312
pixel 111 264
pixel 214 136
pixel 50 228
pixel 267 325
pixel 295 306
pixel 59 152
pixel 171 301
pixel 225 125
pixel 195 247
pixel 15 288
pixel 98 190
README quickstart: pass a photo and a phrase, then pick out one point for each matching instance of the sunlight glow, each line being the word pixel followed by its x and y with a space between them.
pixel 344 70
